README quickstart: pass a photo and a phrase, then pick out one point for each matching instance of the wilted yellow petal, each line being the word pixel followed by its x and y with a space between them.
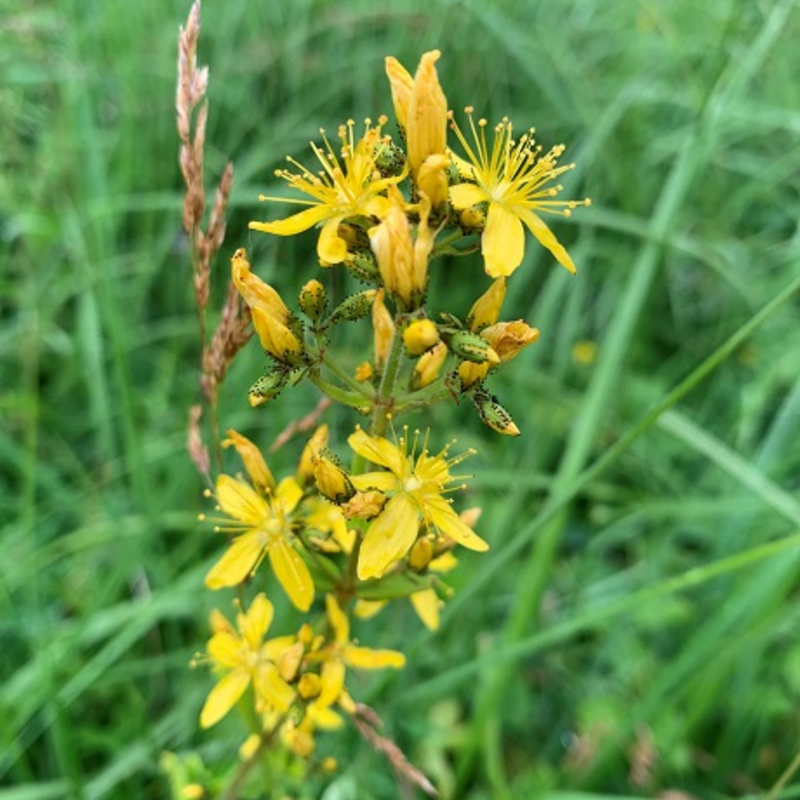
pixel 402 84
pixel 223 697
pixel 389 536
pixel 331 249
pixel 292 573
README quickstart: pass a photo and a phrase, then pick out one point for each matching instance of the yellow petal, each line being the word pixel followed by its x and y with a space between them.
pixel 464 195
pixel 377 450
pixel 223 697
pixel 368 608
pixel 382 481
pixel 224 648
pixel 257 621
pixel 297 223
pixel 441 514
pixel 324 717
pixel 402 84
pixel 289 494
pixel 240 501
pixel 332 678
pixel 364 658
pixel 546 238
pixel 503 241
pixel 241 557
pixel 426 603
pixel 331 248
pixel 338 619
pixel 274 648
pixel 389 537
pixel 271 687
pixel 292 573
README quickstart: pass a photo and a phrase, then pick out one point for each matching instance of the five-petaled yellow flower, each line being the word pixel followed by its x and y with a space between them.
pixel 263 518
pixel 516 180
pixel 244 658
pixel 348 186
pixel 414 484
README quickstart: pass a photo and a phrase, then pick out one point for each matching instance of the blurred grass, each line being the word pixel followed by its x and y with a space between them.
pixel 640 591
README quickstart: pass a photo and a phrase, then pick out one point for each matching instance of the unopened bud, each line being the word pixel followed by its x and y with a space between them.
pixel 364 372
pixel 331 480
pixel 486 308
pixel 426 124
pixel 471 220
pixel 313 299
pixel 419 336
pixel 429 367
pixel 470 346
pixel 493 414
pixel 268 387
pixel 421 554
pixel 357 306
pixel 364 266
pixel 309 686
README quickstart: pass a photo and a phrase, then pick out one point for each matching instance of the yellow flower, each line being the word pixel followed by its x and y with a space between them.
pixel 349 186
pixel 244 658
pixel 414 484
pixel 429 366
pixel 515 179
pixel 264 523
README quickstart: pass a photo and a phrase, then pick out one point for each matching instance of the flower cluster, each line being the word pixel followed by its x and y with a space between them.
pixel 353 531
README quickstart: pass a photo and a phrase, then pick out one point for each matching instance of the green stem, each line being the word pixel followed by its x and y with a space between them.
pixel 340 395
pixel 384 402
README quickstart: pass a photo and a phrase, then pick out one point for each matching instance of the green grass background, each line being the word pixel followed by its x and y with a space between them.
pixel 642 582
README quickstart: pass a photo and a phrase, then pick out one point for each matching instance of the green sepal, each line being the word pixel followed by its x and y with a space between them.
pixel 393 587
pixel 355 307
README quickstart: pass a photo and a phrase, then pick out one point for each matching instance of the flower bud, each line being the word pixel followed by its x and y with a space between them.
pixel 364 372
pixel 419 336
pixel 383 326
pixel 429 367
pixel 420 554
pixel 470 346
pixel 309 686
pixel 289 661
pixel 493 414
pixel 268 387
pixel 313 299
pixel 486 309
pixel 257 469
pixel 331 480
pixel 363 266
pixel 354 307
pixel 471 373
